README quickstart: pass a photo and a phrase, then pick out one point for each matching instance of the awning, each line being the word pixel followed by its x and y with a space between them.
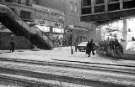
pixel 80 28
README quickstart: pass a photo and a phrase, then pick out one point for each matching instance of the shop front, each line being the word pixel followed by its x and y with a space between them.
pixel 122 30
pixel 55 34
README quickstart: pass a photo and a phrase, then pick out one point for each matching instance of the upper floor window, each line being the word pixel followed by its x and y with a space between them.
pixel 127 0
pixel 86 2
pixel 19 1
pixel 99 1
pixel 25 15
pixel 113 0
pixel 9 0
pixel 27 2
pixel 35 1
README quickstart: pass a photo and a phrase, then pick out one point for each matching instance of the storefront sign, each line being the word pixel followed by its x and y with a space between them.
pixel 43 28
pixel 58 30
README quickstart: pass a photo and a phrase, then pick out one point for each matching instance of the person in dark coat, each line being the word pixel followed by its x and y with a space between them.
pixel 87 48
pixel 90 48
pixel 12 46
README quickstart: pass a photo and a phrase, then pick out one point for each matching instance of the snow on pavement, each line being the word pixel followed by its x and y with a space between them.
pixel 62 53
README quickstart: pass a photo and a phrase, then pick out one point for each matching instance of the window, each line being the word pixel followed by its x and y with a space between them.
pixel 86 2
pixel 112 7
pixel 9 0
pixel 100 8
pixel 99 1
pixel 13 10
pixel 129 4
pixel 113 0
pixel 127 0
pixel 25 15
pixel 19 1
pixel 35 1
pixel 86 10
pixel 27 2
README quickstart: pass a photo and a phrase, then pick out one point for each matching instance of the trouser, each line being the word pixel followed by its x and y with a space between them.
pixel 91 51
pixel 12 49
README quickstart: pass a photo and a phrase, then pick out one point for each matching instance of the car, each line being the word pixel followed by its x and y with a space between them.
pixel 82 46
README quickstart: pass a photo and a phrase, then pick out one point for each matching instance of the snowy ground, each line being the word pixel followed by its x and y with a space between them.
pixel 65 54
pixel 62 53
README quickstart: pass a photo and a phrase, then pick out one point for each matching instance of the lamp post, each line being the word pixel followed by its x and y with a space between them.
pixel 71 37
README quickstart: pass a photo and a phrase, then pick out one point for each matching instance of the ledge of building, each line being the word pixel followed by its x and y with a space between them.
pixel 109 16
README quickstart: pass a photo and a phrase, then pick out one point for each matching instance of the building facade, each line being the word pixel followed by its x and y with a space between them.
pixel 102 11
pixel 31 12
pixel 72 10
pixel 112 16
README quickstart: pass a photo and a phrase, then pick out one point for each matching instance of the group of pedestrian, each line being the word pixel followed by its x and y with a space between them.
pixel 115 47
pixel 111 47
pixel 90 48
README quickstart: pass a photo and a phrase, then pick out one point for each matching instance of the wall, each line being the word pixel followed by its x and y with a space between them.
pixel 20 41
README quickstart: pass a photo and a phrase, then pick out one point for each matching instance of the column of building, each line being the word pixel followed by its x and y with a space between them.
pixel 124 33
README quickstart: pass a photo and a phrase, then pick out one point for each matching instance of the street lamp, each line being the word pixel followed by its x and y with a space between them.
pixel 71 37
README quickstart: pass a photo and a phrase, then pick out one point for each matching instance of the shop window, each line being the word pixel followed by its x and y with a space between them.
pixel 86 2
pixel 113 7
pixel 99 1
pixel 86 10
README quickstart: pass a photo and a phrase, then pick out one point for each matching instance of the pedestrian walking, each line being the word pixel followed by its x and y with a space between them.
pixel 12 46
pixel 90 48
pixel 75 47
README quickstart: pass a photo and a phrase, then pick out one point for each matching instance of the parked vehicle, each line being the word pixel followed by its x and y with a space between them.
pixel 82 46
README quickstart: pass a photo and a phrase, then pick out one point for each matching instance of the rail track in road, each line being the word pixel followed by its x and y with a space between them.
pixel 6 69
pixel 81 65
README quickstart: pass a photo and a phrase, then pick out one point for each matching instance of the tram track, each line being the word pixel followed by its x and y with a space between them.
pixel 64 78
pixel 68 78
pixel 80 65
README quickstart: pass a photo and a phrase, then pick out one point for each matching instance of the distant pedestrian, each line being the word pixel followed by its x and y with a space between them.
pixel 12 46
pixel 75 47
pixel 118 48
pixel 87 48
pixel 90 48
